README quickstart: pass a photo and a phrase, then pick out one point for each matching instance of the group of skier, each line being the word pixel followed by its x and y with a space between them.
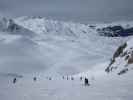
pixel 86 81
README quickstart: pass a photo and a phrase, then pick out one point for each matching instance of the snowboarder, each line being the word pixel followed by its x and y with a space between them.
pixel 14 80
pixel 86 82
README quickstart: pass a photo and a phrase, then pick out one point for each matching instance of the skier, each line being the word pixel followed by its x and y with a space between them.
pixel 14 80
pixel 72 78
pixel 81 78
pixel 67 78
pixel 50 78
pixel 63 77
pixel 34 78
pixel 86 82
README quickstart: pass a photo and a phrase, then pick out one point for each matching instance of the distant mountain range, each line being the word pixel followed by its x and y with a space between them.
pixel 56 47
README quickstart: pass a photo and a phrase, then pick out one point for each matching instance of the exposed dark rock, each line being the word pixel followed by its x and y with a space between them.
pixel 115 31
pixel 130 60
pixel 92 26
pixel 123 71
pixel 119 50
pixel 127 57
pixel 12 26
pixel 116 54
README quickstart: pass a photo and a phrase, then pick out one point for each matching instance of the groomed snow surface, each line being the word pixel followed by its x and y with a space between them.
pixel 50 49
pixel 103 87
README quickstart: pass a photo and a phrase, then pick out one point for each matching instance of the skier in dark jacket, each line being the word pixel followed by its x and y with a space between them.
pixel 34 79
pixel 14 80
pixel 67 78
pixel 86 82
pixel 72 78
pixel 50 78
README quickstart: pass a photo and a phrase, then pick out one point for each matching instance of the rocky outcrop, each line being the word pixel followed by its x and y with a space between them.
pixel 122 59
pixel 9 26
pixel 115 31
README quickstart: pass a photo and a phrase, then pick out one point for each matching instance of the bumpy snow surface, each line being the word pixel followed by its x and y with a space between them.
pixel 55 52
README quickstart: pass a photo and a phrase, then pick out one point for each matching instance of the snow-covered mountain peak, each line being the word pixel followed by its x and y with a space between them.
pixel 10 27
pixel 42 25
pixel 46 26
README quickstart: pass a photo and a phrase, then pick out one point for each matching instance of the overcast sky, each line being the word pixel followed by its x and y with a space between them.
pixel 76 10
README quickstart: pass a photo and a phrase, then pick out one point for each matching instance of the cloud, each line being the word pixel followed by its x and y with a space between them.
pixel 79 10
